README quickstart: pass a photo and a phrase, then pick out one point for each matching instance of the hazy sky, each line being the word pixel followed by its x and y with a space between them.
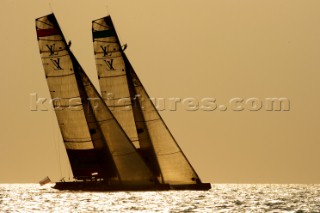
pixel 209 49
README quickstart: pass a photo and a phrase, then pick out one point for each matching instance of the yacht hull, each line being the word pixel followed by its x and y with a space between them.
pixel 102 186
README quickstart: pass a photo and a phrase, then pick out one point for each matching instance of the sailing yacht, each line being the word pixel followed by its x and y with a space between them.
pixel 111 143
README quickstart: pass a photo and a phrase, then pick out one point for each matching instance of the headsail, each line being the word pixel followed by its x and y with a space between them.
pixel 95 142
pixel 158 146
pixel 175 167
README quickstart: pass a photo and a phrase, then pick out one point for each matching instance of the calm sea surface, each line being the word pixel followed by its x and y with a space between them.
pixel 221 198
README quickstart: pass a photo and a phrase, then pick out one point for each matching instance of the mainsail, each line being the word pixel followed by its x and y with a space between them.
pixel 95 142
pixel 157 145
pixel 112 76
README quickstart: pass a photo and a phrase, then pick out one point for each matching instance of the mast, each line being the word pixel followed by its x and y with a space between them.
pixel 94 140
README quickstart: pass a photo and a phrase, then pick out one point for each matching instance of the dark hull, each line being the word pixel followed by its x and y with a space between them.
pixel 199 186
pixel 103 187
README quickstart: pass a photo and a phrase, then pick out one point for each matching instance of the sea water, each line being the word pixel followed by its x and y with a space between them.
pixel 221 198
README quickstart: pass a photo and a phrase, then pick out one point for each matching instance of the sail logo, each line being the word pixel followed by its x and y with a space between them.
pixel 52 49
pixel 109 64
pixel 56 63
pixel 105 50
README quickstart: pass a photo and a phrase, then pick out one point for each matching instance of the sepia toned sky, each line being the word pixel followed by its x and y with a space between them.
pixel 223 50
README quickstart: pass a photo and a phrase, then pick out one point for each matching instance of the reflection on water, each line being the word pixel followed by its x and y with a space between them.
pixel 221 198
